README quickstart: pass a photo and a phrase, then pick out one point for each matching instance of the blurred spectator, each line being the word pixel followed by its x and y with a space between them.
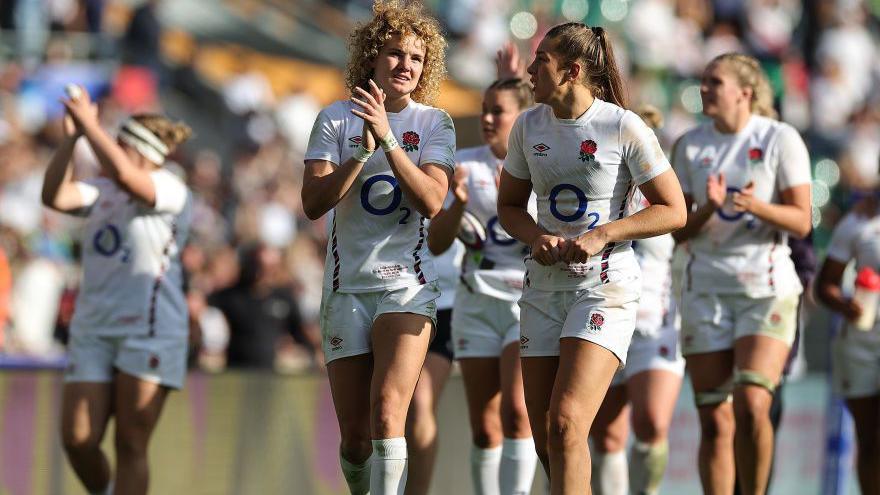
pixel 261 312
pixel 141 40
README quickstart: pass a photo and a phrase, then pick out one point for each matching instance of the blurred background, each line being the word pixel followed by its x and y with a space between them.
pixel 250 77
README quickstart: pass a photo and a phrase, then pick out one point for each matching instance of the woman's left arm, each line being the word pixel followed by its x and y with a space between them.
pixel 793 181
pixel 111 156
pixel 793 215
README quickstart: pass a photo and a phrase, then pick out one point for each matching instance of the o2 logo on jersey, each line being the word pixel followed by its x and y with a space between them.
pixel 396 198
pixel 735 216
pixel 581 209
pixel 497 234
pixel 107 241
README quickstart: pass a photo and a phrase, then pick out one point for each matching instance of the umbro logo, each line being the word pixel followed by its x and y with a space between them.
pixel 541 149
pixel 354 141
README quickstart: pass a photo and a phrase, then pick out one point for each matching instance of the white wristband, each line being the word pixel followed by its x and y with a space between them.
pixel 362 154
pixel 389 142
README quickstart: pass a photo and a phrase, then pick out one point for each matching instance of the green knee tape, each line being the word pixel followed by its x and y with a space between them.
pixel 712 397
pixel 749 377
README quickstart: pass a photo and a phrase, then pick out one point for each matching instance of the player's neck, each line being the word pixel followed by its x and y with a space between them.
pixel 732 124
pixel 573 103
pixel 396 105
pixel 499 150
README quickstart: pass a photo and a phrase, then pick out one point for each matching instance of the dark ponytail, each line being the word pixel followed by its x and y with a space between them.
pixel 577 42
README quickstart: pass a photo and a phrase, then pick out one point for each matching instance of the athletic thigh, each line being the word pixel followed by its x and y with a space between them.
pixel 350 379
pixel 482 386
pixel 584 375
pixel 138 406
pixel 400 343
pixel 86 408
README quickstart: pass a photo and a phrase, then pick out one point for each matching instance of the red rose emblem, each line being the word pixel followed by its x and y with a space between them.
pixel 756 154
pixel 597 319
pixel 410 137
pixel 589 147
pixel 410 141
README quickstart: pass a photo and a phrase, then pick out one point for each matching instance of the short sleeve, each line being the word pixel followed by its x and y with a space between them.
pixel 440 146
pixel 641 151
pixel 515 163
pixel 89 193
pixel 794 160
pixel 171 192
pixel 681 165
pixel 324 139
pixel 840 247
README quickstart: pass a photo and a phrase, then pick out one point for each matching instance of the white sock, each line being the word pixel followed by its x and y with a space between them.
pixel 356 475
pixel 106 491
pixel 388 472
pixel 610 475
pixel 484 470
pixel 647 465
pixel 518 459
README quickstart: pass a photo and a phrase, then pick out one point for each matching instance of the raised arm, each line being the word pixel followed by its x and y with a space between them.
pixel 113 159
pixel 424 185
pixel 59 189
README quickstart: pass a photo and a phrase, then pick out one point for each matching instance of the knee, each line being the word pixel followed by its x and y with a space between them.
pixel 751 406
pixel 566 428
pixel 80 440
pixel 388 414
pixel 515 419
pixel 649 427
pixel 486 433
pixel 717 423
pixel 355 443
pixel 130 441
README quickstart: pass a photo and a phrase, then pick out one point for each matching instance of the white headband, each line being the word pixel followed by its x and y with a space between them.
pixel 134 134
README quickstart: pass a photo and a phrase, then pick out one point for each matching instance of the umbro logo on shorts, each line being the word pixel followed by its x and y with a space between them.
pixel 336 343
pixel 541 149
pixel 523 342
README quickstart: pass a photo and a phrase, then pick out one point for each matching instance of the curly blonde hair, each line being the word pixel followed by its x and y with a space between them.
pixel 749 73
pixel 404 18
pixel 168 131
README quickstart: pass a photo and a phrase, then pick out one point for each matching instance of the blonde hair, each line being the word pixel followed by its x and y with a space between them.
pixel 749 74
pixel 171 133
pixel 391 18
pixel 521 90
pixel 651 115
pixel 589 46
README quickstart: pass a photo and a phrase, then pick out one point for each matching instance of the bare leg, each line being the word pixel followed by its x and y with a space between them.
pixel 138 407
pixel 85 411
pixel 708 372
pixel 751 407
pixel 421 425
pixel 866 414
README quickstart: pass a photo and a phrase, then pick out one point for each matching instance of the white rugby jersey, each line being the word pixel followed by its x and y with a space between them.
pixel 497 269
pixel 448 266
pixel 736 253
pixel 655 259
pixel 132 277
pixel 857 238
pixel 583 172
pixel 377 238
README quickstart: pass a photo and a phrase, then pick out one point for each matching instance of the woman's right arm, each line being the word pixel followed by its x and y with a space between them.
pixel 840 251
pixel 829 291
pixel 59 189
pixel 325 184
pixel 444 227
